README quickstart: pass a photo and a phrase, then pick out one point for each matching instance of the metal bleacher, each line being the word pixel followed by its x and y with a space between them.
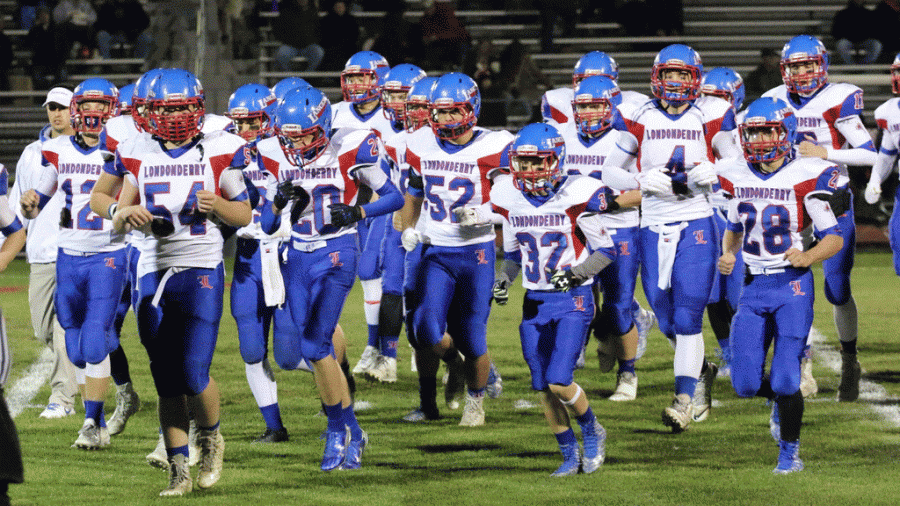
pixel 725 32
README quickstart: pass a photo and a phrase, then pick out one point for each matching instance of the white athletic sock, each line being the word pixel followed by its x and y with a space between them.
pixel 845 319
pixel 688 355
pixel 79 375
pixel 372 298
pixel 264 388
pixel 100 370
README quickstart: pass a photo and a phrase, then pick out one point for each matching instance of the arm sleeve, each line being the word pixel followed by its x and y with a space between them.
pixel 9 222
pixel 885 160
pixel 862 151
pixel 821 215
pixel 595 263
pixel 509 270
pixel 233 185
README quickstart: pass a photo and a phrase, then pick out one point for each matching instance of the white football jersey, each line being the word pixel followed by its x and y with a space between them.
pixel 395 150
pixel 345 116
pixel 118 130
pixel 7 215
pixel 829 118
pixel 772 209
pixel 675 144
pixel 553 235
pixel 168 181
pixel 586 159
pixel 350 158
pixel 259 177
pixel 455 176
pixel 215 122
pixel 816 119
pixel 73 170
pixel 888 118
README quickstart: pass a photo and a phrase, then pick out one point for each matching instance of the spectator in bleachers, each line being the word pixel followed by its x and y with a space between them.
pixel 28 12
pixel 75 21
pixel 887 12
pixel 46 56
pixel 523 82
pixel 765 76
pixel 297 29
pixel 6 57
pixel 398 39
pixel 666 17
pixel 553 13
pixel 852 32
pixel 343 41
pixel 123 22
pixel 445 40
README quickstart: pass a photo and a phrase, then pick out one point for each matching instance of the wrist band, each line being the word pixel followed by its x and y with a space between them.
pixel 111 210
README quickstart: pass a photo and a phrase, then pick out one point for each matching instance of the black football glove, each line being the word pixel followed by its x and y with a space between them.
pixel 161 227
pixel 501 292
pixel 284 194
pixel 65 218
pixel 343 215
pixel 563 280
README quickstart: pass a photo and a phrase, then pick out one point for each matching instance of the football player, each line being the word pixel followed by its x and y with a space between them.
pixel 361 86
pixel 557 110
pixel 313 169
pixel 726 84
pixel 396 87
pixel 551 230
pixel 888 118
pixel 182 178
pixel 674 139
pixel 589 139
pixel 11 470
pixel 257 290
pixel 829 126
pixel 775 192
pixel 451 167
pixel 91 260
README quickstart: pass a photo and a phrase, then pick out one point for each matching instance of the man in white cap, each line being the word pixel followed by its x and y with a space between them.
pixel 40 249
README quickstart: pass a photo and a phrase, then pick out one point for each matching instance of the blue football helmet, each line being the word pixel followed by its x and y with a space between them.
pixel 725 83
pixel 177 106
pixel 95 89
pixel 595 63
pixel 895 75
pixel 125 97
pixel 251 102
pixel 804 49
pixel 595 91
pixel 536 157
pixel 396 87
pixel 418 104
pixel 767 116
pixel 679 58
pixel 287 84
pixel 139 98
pixel 303 112
pixel 451 92
pixel 373 68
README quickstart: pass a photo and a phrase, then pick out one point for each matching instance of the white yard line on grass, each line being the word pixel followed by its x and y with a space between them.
pixel 871 393
pixel 23 390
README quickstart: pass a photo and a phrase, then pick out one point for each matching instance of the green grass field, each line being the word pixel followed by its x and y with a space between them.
pixel 852 456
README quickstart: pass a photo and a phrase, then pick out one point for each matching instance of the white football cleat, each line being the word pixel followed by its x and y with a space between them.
pixel 367 360
pixel 626 387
